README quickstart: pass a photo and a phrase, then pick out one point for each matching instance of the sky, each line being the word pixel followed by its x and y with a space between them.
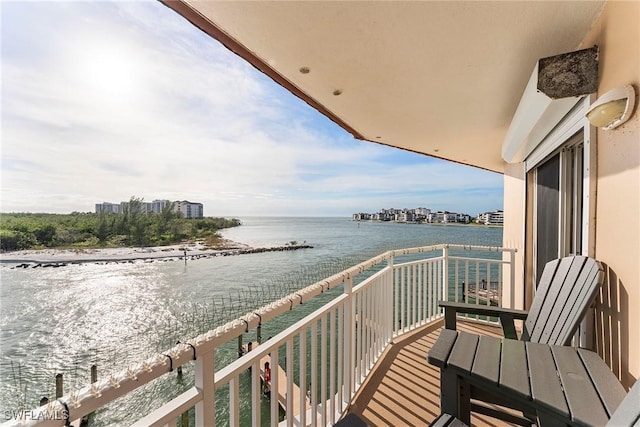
pixel 102 101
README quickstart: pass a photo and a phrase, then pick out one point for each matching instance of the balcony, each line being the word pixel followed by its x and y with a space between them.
pixel 403 389
pixel 364 351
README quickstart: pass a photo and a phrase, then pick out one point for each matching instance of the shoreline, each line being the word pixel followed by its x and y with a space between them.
pixel 33 258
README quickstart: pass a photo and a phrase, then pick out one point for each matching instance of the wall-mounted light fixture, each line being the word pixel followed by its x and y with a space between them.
pixel 613 108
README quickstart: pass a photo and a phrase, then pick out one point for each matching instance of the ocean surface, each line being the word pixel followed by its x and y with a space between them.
pixel 63 320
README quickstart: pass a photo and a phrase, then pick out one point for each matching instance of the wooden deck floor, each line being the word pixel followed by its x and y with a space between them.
pixel 404 389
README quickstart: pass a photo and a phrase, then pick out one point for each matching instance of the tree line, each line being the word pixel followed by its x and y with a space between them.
pixel 132 227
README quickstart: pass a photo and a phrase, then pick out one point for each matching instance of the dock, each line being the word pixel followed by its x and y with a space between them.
pixel 282 385
pixel 485 292
pixel 484 295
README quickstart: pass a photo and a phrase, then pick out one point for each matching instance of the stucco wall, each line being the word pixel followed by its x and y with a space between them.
pixel 617 228
pixel 617 245
pixel 513 230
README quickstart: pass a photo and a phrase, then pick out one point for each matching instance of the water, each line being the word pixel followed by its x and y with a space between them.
pixel 63 320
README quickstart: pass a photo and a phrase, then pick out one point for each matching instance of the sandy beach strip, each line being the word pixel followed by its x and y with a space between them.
pixel 54 256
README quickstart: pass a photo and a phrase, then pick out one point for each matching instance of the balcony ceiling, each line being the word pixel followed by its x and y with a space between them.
pixel 439 78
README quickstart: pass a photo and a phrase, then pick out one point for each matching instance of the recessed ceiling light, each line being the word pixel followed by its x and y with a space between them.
pixel 337 92
pixel 304 70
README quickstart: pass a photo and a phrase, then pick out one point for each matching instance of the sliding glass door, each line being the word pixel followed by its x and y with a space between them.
pixel 558 204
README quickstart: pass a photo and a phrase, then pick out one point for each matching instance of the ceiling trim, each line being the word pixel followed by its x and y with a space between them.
pixel 209 28
pixel 397 147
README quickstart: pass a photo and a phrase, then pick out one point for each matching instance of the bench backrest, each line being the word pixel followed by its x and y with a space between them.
pixel 565 291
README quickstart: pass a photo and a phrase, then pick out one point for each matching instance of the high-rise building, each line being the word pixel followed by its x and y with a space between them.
pixel 189 209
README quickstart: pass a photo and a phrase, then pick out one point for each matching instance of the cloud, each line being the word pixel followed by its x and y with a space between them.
pixel 110 100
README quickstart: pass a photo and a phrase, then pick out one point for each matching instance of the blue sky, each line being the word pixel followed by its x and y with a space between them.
pixel 102 101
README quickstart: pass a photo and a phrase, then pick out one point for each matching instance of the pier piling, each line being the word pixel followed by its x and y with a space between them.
pixel 59 386
pixel 94 374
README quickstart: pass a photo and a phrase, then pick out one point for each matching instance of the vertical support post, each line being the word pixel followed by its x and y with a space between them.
pixel 396 300
pixel 363 326
pixel 240 349
pixel 259 333
pixel 234 401
pixel 313 383
pixel 512 278
pixel 184 419
pixel 419 296
pixel 445 273
pixel 94 374
pixel 340 357
pixel 59 386
pixel 332 365
pixel 323 369
pixel 348 334
pixel 302 366
pixel 402 322
pixel 389 307
pixel 414 296
pixel 288 362
pixel 256 393
pixel 94 379
pixel 394 295
pixel 204 380
pixel 275 388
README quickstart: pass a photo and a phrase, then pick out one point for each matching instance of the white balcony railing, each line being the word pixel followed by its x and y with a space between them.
pixel 325 357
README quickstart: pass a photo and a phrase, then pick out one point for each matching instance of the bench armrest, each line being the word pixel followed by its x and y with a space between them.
pixel 629 411
pixel 506 315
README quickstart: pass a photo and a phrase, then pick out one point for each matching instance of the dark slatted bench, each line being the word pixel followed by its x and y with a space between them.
pixel 351 420
pixel 566 288
pixel 557 385
pixel 446 420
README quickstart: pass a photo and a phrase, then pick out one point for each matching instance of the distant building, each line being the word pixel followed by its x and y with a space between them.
pixel 438 217
pixel 185 208
pixel 463 218
pixel 361 217
pixel 406 215
pixel 158 205
pixel 189 209
pixel 491 218
pixel 145 207
pixel 413 215
pixel 107 207
pixel 386 214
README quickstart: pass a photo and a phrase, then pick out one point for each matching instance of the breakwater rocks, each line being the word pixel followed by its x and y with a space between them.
pixel 151 258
